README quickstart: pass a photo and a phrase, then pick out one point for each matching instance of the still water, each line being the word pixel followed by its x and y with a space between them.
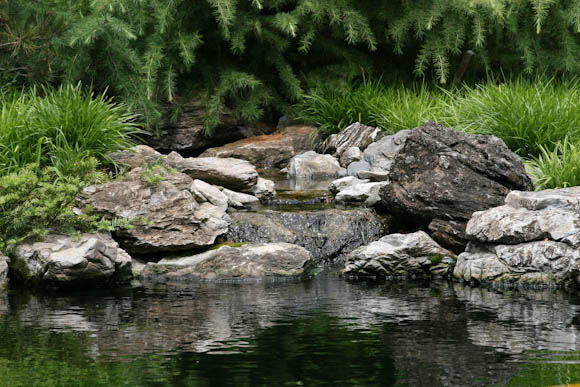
pixel 326 331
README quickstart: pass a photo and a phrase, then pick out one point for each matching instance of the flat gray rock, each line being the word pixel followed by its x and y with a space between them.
pixel 257 261
pixel 400 255
pixel 4 262
pixel 366 193
pixel 65 261
pixel 545 263
pixel 235 174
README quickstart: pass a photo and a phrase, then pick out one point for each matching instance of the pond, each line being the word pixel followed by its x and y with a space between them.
pixel 325 331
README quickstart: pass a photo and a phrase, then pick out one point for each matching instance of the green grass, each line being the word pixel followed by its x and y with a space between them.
pixel 59 127
pixel 529 115
pixel 556 168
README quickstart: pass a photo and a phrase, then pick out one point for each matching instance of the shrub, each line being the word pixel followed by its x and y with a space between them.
pixel 57 127
pixel 556 168
pixel 32 203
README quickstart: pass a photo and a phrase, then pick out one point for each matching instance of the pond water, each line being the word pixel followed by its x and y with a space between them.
pixel 325 331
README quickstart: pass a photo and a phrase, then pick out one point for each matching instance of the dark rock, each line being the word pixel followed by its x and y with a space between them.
pixel 326 234
pixel 187 136
pixel 438 172
pixel 227 263
pixel 273 150
pixel 449 233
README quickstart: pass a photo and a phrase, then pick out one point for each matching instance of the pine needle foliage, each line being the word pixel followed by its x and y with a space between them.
pixel 257 56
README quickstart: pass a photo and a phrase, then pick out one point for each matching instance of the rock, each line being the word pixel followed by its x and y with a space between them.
pixel 449 233
pixel 272 150
pixel 534 239
pixel 400 255
pixel 350 155
pixel 355 135
pixel 545 263
pixel 264 189
pixel 313 165
pixel 4 262
pixel 65 261
pixel 204 192
pixel 226 263
pixel 238 199
pixel 374 175
pixel 355 167
pixel 366 193
pixel 139 156
pixel 344 183
pixel 438 172
pixel 188 137
pixel 167 217
pixel 530 216
pixel 326 234
pixel 234 174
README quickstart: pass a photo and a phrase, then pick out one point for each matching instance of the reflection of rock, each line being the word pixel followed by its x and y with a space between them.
pixel 168 217
pixel 315 166
pixel 521 322
pixel 62 261
pixel 400 254
pixel 246 261
pixel 4 261
pixel 326 234
pixel 533 239
pixel 268 150
pixel 234 174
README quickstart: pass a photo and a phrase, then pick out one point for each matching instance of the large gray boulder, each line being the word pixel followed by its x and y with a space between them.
pixel 326 234
pixel 65 261
pixel 269 150
pixel 234 174
pixel 314 166
pixel 534 239
pixel 4 263
pixel 438 172
pixel 400 255
pixel 166 215
pixel 355 135
pixel 226 263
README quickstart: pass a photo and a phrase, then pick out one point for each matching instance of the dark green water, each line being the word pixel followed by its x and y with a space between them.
pixel 323 332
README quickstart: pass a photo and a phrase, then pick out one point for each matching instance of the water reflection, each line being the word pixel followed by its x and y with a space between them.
pixel 398 332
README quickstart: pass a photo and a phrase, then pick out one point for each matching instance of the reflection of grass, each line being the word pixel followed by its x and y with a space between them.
pixel 549 368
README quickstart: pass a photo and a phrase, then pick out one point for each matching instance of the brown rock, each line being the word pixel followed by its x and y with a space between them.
pixel 268 150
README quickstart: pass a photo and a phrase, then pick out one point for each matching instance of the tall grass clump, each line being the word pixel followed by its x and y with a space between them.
pixel 400 107
pixel 59 127
pixel 556 168
pixel 333 108
pixel 392 108
pixel 529 115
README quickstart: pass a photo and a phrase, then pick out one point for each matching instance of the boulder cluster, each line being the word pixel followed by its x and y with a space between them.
pixel 468 193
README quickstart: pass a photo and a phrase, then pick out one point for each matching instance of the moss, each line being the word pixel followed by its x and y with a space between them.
pixel 229 244
pixel 436 259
